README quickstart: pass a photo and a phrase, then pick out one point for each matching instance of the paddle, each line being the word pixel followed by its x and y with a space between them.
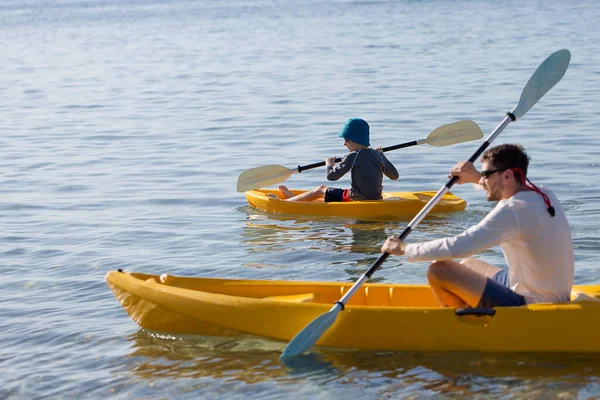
pixel 446 135
pixel 548 74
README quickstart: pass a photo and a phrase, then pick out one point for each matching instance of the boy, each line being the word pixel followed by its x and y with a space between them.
pixel 367 167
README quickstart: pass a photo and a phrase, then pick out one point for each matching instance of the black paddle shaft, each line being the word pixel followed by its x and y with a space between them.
pixel 338 159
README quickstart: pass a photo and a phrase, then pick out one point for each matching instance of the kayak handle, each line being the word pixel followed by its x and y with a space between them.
pixel 479 311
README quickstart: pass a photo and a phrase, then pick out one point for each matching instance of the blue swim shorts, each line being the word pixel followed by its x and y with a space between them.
pixel 497 292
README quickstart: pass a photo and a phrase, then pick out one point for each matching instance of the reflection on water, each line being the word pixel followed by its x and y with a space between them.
pixel 343 245
pixel 157 355
pixel 253 360
pixel 245 359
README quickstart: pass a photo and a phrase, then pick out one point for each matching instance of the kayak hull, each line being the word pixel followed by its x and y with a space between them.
pixel 391 317
pixel 393 203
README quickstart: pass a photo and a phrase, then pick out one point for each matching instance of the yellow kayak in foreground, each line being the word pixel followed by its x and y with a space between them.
pixel 378 317
pixel 393 203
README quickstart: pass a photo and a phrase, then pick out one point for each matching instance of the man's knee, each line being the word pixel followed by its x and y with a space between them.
pixel 479 266
pixel 438 271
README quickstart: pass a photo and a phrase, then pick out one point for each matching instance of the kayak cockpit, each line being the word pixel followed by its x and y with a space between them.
pixel 377 295
pixel 373 295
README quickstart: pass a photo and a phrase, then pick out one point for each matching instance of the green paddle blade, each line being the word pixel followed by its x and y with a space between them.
pixel 548 74
pixel 454 133
pixel 308 336
pixel 263 176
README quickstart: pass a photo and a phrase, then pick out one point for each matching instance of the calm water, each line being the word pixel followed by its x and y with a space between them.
pixel 125 124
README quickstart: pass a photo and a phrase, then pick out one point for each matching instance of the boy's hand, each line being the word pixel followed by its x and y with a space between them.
pixel 330 162
pixel 378 148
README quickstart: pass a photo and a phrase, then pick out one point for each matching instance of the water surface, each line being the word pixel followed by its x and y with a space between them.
pixel 125 125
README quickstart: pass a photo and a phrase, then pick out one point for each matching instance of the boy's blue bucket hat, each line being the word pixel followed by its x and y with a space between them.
pixel 357 130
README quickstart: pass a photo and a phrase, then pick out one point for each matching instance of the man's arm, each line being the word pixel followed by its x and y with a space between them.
pixel 498 226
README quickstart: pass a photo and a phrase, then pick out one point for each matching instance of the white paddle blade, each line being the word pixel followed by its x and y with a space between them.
pixel 267 175
pixel 548 74
pixel 454 133
pixel 308 336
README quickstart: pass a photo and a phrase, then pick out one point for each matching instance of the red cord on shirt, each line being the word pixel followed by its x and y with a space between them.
pixel 535 189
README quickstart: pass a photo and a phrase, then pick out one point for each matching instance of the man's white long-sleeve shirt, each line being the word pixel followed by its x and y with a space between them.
pixel 537 247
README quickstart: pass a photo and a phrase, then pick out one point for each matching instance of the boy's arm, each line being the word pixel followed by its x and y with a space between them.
pixel 388 168
pixel 336 172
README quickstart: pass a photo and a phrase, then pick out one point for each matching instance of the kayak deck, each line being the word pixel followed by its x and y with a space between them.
pixel 378 317
pixel 393 203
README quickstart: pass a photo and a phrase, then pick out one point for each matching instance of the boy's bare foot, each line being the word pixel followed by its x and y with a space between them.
pixel 286 192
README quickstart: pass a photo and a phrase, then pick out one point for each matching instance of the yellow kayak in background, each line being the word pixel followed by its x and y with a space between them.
pixel 393 203
pixel 391 317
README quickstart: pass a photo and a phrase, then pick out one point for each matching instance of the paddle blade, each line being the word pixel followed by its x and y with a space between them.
pixel 258 177
pixel 454 133
pixel 548 74
pixel 307 337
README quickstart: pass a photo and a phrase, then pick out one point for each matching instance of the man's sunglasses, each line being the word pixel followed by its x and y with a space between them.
pixel 490 172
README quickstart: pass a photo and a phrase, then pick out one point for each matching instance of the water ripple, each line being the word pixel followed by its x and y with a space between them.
pixel 126 124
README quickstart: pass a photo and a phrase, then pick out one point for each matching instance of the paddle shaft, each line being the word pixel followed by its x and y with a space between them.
pixel 423 213
pixel 338 159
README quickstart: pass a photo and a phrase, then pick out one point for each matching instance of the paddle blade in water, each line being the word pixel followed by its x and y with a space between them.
pixel 308 336
pixel 258 177
pixel 454 133
pixel 548 74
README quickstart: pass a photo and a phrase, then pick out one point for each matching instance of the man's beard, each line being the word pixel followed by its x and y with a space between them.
pixel 492 196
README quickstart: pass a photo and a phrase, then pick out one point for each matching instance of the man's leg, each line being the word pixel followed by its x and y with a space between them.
pixel 459 284
pixel 482 267
pixel 316 193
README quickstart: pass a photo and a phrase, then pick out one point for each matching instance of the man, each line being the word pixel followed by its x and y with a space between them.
pixel 528 223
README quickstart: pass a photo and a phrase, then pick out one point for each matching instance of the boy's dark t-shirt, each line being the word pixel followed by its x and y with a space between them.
pixel 367 167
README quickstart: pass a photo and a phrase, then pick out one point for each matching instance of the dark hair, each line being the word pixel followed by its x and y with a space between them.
pixel 507 156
